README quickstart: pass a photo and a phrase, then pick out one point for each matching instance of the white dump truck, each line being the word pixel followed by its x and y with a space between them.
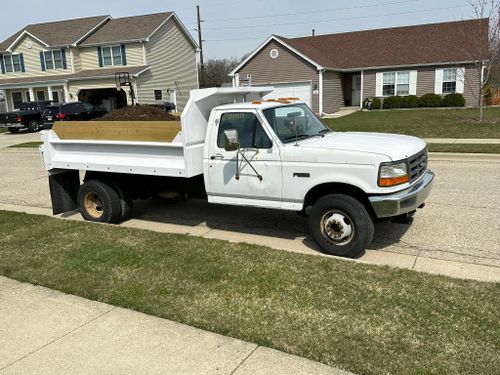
pixel 233 147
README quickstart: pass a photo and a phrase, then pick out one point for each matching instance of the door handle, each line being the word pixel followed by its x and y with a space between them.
pixel 216 156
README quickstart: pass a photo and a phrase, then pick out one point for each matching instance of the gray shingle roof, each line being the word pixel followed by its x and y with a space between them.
pixel 421 44
pixel 127 29
pixel 58 33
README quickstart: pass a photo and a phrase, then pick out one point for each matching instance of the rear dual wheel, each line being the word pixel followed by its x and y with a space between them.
pixel 103 202
pixel 341 225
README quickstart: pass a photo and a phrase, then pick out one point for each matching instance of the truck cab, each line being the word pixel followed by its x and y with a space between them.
pixel 236 148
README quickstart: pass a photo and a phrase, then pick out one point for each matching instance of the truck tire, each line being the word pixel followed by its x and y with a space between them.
pixel 33 126
pixel 126 203
pixel 341 225
pixel 14 130
pixel 99 202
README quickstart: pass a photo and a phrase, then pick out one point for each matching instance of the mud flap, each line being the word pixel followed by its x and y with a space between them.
pixel 63 191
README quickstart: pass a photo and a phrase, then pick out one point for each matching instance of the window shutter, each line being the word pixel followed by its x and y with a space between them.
pixel 124 55
pixel 21 61
pixel 379 81
pixel 413 82
pixel 99 55
pixel 2 64
pixel 460 88
pixel 42 61
pixel 63 55
pixel 438 88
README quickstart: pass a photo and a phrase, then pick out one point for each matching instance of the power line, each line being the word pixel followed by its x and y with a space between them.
pixel 313 12
pixel 334 19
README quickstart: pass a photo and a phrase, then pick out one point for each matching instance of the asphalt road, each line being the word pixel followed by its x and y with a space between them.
pixel 461 221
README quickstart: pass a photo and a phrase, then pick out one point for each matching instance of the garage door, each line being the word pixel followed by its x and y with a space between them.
pixel 300 90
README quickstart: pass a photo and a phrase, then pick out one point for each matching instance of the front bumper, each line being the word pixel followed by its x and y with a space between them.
pixel 404 201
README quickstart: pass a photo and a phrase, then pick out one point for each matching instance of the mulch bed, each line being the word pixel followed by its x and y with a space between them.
pixel 139 113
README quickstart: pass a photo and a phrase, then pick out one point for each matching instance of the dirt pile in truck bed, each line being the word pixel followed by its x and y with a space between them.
pixel 139 113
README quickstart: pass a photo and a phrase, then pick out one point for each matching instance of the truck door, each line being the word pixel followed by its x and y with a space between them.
pixel 259 178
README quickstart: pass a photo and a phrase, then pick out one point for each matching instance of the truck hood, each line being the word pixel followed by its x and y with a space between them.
pixel 395 146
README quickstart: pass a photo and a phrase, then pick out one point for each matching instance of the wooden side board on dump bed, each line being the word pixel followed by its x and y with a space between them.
pixel 133 131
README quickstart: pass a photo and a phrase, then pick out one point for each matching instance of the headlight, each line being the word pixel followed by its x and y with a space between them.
pixel 392 174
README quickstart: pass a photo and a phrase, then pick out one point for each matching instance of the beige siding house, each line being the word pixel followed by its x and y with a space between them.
pixel 342 70
pixel 77 60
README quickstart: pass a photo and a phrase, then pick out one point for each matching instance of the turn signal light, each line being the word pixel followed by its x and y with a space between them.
pixel 386 182
pixel 61 116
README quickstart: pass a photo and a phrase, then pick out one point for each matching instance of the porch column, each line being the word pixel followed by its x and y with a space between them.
pixel 32 94
pixel 361 99
pixel 51 95
pixel 66 93
pixel 321 91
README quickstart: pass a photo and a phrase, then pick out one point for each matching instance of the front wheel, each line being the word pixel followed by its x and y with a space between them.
pixel 341 225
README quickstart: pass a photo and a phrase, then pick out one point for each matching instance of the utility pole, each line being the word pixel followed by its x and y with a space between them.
pixel 200 39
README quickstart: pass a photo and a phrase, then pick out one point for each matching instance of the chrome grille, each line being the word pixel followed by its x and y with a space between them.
pixel 418 164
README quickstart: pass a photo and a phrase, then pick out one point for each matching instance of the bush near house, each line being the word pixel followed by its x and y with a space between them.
pixel 392 102
pixel 410 101
pixel 454 100
pixel 431 100
pixel 376 103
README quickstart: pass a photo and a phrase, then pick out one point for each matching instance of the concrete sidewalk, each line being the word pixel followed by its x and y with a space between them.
pixel 478 141
pixel 47 332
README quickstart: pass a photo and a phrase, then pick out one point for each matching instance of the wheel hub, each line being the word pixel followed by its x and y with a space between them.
pixel 337 227
pixel 94 205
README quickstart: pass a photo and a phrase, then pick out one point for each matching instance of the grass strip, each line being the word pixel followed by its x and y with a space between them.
pixel 465 148
pixel 363 318
pixel 27 145
pixel 446 123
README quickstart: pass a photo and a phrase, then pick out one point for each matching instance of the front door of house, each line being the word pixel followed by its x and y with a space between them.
pixel 356 90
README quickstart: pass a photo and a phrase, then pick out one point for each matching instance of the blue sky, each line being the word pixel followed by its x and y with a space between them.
pixel 233 28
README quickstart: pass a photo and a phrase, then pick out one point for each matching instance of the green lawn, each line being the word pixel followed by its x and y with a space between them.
pixel 3 130
pixel 27 145
pixel 465 148
pixel 431 123
pixel 362 318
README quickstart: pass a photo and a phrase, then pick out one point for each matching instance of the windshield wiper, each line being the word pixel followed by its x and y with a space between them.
pixel 299 136
pixel 325 131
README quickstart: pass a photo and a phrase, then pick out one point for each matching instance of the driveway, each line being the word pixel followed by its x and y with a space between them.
pixel 460 222
pixel 8 139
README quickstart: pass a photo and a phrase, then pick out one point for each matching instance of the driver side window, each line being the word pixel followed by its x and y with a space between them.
pixel 250 131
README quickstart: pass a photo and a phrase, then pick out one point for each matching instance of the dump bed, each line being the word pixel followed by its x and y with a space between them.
pixel 163 148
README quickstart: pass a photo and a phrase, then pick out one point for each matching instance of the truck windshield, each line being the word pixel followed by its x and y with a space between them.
pixel 293 122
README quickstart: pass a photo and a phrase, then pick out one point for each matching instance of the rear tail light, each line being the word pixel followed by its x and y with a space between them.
pixel 19 118
pixel 61 116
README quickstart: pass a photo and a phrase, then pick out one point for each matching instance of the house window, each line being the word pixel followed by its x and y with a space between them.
pixel 17 99
pixel 53 59
pixel 12 63
pixel 112 56
pixel 40 95
pixel 449 81
pixel 158 95
pixel 28 96
pixel 55 96
pixel 396 83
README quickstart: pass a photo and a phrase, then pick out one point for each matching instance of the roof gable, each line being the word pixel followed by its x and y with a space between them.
pixel 58 33
pixel 439 43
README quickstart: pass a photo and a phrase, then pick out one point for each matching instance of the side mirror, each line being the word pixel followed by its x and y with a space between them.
pixel 231 140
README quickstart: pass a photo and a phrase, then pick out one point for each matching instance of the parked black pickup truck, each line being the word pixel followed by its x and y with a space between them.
pixel 28 117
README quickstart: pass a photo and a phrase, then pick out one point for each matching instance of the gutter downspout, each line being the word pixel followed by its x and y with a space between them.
pixel 321 91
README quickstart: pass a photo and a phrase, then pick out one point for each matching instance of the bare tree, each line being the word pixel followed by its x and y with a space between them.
pixel 215 72
pixel 484 55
